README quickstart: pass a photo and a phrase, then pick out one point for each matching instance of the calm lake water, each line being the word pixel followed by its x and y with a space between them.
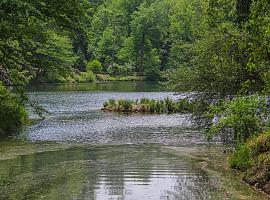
pixel 80 152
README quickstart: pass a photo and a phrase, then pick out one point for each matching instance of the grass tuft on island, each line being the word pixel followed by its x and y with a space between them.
pixel 146 105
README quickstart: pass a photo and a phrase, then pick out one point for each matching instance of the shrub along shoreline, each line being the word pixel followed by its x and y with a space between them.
pixel 13 114
pixel 146 105
pixel 244 122
pixel 252 160
pixel 90 77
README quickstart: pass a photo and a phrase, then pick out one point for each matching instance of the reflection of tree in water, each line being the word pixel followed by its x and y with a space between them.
pixel 121 164
pixel 39 175
pixel 101 171
pixel 116 165
pixel 99 86
pixel 191 184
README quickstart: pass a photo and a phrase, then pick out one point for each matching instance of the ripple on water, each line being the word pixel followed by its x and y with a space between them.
pixel 76 117
pixel 107 172
pixel 99 172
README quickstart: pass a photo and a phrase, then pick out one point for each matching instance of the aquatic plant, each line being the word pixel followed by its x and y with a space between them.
pixel 184 105
pixel 125 104
pixel 147 105
pixel 170 105
pixel 106 104
pixel 158 107
pixel 145 100
pixel 112 102
pixel 152 106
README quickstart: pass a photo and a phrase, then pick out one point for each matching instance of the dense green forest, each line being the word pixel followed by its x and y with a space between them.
pixel 219 50
pixel 218 41
pixel 119 38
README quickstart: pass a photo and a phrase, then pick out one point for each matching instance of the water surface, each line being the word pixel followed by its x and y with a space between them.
pixel 80 152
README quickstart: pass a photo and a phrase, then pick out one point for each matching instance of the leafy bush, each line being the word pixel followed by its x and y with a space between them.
pixel 85 77
pixel 94 66
pixel 123 78
pixel 249 152
pixel 120 70
pixel 241 159
pixel 12 113
pixel 238 119
pixel 253 159
pixel 260 144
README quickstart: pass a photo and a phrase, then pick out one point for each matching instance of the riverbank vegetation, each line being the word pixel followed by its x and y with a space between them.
pixel 39 41
pixel 227 64
pixel 253 160
pixel 102 77
pixel 12 112
pixel 146 105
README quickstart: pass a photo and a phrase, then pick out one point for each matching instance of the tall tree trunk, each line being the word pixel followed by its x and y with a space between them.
pixel 114 43
pixel 142 54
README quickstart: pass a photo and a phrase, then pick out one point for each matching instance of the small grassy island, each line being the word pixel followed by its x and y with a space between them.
pixel 146 105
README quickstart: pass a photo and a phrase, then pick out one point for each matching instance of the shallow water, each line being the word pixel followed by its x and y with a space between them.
pixel 80 152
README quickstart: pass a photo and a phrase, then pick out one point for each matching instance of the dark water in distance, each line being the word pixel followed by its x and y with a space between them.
pixel 115 86
pixel 107 155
